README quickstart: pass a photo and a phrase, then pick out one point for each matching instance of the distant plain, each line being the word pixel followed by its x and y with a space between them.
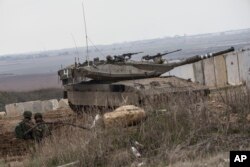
pixel 38 70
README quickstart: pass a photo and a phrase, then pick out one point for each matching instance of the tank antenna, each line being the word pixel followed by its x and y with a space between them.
pixel 75 45
pixel 86 36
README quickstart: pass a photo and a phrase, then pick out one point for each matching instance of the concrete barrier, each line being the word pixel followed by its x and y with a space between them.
pixel 185 72
pixel 49 105
pixel 13 110
pixel 244 64
pixel 17 109
pixel 233 69
pixel 28 106
pixel 2 114
pixel 209 73
pixel 37 106
pixel 199 72
pixel 248 80
pixel 220 71
pixel 63 103
pixel 55 104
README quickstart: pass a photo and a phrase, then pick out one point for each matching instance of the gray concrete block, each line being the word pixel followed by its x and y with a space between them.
pixel 209 73
pixel 37 107
pixel 220 71
pixel 63 103
pixel 232 69
pixel 198 72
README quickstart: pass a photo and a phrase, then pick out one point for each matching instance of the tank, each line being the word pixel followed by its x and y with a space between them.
pixel 118 80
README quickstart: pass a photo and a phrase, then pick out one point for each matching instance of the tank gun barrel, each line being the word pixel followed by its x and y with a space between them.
pixel 125 56
pixel 171 52
pixel 159 55
pixel 130 54
pixel 201 57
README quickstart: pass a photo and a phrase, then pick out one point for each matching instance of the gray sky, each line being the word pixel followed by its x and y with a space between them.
pixel 38 25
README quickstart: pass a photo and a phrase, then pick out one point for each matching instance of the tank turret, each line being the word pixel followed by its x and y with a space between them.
pixel 112 70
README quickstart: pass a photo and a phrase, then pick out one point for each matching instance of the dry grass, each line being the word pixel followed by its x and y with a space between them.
pixel 178 130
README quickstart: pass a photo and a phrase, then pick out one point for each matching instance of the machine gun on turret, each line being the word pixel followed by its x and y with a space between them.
pixel 124 57
pixel 158 57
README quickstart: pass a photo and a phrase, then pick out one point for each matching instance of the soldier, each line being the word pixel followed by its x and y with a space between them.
pixel 24 129
pixel 41 130
pixel 110 59
pixel 158 59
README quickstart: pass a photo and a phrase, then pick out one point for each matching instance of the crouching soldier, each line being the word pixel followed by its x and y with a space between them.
pixel 24 129
pixel 41 129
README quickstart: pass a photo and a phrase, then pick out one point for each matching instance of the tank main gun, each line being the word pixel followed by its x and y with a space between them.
pixel 197 58
pixel 159 55
pixel 125 56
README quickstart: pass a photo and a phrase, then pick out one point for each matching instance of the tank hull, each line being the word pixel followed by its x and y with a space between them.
pixel 130 92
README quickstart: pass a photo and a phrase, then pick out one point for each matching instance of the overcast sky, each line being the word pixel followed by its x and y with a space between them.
pixel 38 25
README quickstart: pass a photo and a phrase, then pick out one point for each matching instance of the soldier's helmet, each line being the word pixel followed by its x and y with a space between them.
pixel 27 114
pixel 38 115
pixel 109 58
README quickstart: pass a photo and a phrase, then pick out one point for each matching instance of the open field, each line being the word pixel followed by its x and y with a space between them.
pixel 185 130
pixel 29 82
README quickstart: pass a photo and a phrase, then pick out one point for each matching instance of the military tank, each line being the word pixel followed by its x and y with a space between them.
pixel 119 80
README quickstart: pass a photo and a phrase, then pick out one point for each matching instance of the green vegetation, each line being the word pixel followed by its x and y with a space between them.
pixel 178 129
pixel 15 97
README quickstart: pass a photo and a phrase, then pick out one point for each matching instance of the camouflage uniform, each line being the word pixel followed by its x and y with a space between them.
pixel 41 130
pixel 158 59
pixel 109 59
pixel 24 129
